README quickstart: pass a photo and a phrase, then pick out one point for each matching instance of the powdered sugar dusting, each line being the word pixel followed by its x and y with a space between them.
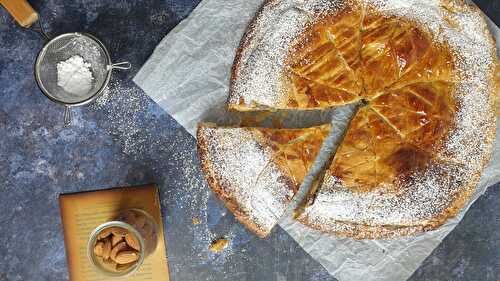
pixel 242 164
pixel 266 46
pixel 423 196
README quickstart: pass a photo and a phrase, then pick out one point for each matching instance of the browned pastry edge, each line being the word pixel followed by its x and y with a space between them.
pixel 497 89
pixel 364 231
pixel 214 184
pixel 244 42
pixel 219 190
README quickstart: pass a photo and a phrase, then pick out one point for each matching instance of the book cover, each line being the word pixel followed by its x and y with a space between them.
pixel 83 212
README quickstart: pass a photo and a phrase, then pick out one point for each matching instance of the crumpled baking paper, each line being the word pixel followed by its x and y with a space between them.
pixel 188 76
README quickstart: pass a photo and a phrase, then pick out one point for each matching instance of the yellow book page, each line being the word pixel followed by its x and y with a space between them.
pixel 82 212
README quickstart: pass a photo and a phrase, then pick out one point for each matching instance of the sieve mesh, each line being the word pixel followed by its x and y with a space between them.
pixel 62 48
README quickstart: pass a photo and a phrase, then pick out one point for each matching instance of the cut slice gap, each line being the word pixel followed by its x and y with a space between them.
pixel 278 118
pixel 423 112
pixel 359 143
pixel 406 77
pixel 328 152
pixel 294 72
pixel 361 123
pixel 369 154
pixel 389 123
pixel 399 160
pixel 297 209
pixel 331 38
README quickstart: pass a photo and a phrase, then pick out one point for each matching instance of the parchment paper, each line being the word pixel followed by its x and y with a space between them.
pixel 188 75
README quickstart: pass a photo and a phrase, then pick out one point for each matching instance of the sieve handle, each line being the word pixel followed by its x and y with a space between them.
pixel 121 65
pixel 68 116
pixel 22 11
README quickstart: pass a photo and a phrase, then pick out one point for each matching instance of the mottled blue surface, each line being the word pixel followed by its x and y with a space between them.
pixel 128 140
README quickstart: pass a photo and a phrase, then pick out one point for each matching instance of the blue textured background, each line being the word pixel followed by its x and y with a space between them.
pixel 126 139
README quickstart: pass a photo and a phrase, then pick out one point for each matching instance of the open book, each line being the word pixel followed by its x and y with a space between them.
pixel 82 212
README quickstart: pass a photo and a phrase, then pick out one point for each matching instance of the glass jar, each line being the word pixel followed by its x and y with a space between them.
pixel 118 248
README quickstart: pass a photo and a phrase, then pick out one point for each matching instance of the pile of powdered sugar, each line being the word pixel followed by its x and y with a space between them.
pixel 74 75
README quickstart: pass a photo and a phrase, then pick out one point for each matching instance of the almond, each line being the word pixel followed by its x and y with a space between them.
pixel 108 261
pixel 129 217
pixel 109 264
pixel 148 229
pixel 123 267
pixel 132 242
pixel 196 220
pixel 218 245
pixel 140 221
pixel 116 249
pixel 106 249
pixel 99 249
pixel 104 233
pixel 125 257
pixel 115 240
pixel 118 231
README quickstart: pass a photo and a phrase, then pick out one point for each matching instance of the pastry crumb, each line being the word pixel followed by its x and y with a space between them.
pixel 218 245
pixel 196 220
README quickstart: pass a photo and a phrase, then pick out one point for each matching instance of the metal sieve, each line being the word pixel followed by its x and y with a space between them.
pixel 61 48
